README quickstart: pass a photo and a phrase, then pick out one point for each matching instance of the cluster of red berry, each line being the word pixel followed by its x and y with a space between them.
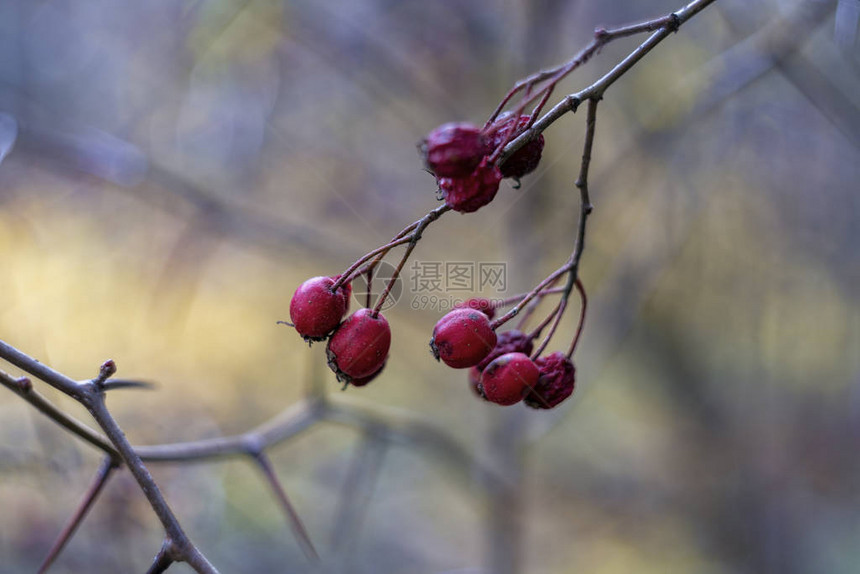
pixel 358 346
pixel 467 162
pixel 463 159
pixel 500 369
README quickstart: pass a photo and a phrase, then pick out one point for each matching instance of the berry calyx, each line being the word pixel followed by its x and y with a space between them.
pixel 316 310
pixel 556 382
pixel 471 193
pixel 485 306
pixel 462 338
pixel 526 159
pixel 506 379
pixel 455 149
pixel 360 346
pixel 361 381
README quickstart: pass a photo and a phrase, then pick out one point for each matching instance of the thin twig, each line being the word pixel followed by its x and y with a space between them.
pixel 667 25
pixel 296 524
pixel 108 465
pixel 162 560
pixel 358 488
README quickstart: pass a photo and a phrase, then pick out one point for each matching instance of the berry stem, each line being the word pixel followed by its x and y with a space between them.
pixel 531 295
pixel 581 289
pixel 661 27
pixel 369 275
pixel 516 298
pixel 557 314
pixel 350 272
pixel 413 238
pixel 532 307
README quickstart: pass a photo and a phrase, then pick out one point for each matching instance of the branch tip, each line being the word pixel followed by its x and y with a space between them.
pixel 106 371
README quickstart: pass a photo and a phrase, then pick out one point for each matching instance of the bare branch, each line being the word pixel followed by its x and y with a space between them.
pixel 295 521
pixel 23 387
pixel 99 481
pixel 162 560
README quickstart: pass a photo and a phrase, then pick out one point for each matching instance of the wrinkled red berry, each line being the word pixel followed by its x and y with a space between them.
pixel 485 306
pixel 315 309
pixel 462 338
pixel 471 193
pixel 556 382
pixel 508 378
pixel 360 382
pixel 360 346
pixel 455 149
pixel 525 159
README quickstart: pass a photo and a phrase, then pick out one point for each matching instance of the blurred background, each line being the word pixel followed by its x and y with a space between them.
pixel 172 170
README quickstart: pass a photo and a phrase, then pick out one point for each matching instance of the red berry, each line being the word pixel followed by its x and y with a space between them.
pixel 455 149
pixel 485 306
pixel 512 341
pixel 471 193
pixel 345 290
pixel 462 338
pixel 360 346
pixel 475 382
pixel 508 378
pixel 360 382
pixel 315 309
pixel 556 383
pixel 525 159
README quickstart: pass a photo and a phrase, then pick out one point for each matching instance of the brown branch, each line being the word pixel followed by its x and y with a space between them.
pixel 91 395
pixel 23 387
pixel 358 488
pixel 99 481
pixel 664 27
pixel 295 521
pixel 162 560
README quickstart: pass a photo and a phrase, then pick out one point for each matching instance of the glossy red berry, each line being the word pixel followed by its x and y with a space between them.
pixel 471 193
pixel 462 338
pixel 455 149
pixel 360 346
pixel 525 159
pixel 485 306
pixel 556 382
pixel 508 378
pixel 316 310
pixel 346 291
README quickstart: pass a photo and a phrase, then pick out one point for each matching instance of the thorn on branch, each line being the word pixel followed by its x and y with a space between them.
pixel 572 103
pixel 674 22
pixel 127 384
